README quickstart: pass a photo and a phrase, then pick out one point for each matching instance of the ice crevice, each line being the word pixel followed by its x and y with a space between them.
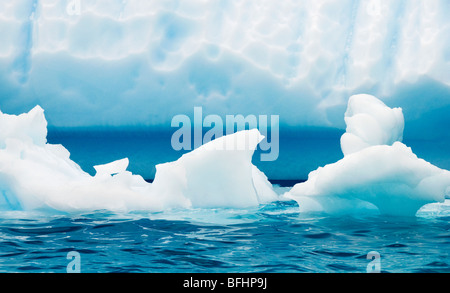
pixel 22 62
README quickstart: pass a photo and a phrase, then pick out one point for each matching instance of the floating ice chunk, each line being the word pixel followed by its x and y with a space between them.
pixel 370 122
pixel 391 178
pixel 112 168
pixel 215 175
pixel 373 173
pixel 35 175
pixel 441 209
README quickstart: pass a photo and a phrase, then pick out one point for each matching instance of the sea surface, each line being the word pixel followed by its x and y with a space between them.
pixel 272 238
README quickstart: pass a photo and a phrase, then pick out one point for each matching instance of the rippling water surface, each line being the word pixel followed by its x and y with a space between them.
pixel 273 238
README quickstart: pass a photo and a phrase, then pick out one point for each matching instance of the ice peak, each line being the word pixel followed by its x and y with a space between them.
pixel 370 122
pixel 29 127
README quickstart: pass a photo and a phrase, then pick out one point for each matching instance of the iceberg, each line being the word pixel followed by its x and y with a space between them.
pixel 378 172
pixel 96 62
pixel 214 175
pixel 36 175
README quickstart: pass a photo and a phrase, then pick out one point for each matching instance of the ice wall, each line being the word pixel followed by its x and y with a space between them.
pixel 94 62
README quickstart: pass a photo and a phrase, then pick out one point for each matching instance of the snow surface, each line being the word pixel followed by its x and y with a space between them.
pixel 140 62
pixel 377 172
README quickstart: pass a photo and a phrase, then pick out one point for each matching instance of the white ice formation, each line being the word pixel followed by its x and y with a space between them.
pixel 377 172
pixel 35 175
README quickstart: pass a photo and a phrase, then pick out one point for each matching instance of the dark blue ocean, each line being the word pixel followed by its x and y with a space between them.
pixel 273 238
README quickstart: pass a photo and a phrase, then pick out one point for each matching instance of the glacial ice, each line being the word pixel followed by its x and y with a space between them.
pixel 120 62
pixel 35 175
pixel 377 171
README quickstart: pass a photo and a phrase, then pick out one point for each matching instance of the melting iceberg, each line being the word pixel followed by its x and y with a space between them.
pixel 377 172
pixel 35 175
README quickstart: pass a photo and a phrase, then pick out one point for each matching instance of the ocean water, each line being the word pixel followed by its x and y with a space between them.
pixel 273 238
pixel 300 150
